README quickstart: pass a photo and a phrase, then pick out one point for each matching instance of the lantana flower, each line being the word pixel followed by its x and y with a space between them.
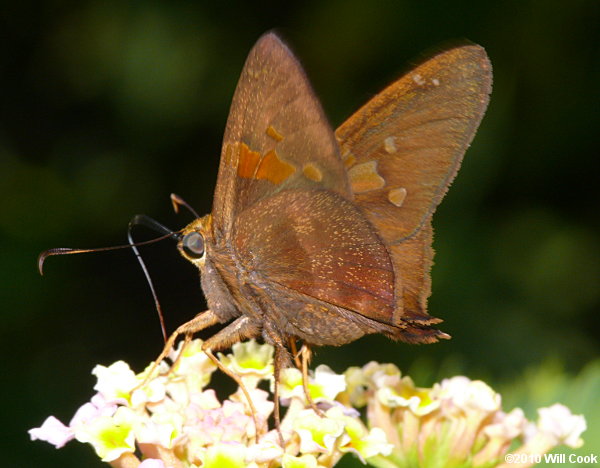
pixel 169 417
pixel 457 422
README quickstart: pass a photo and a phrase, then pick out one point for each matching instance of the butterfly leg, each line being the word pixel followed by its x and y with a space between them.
pixel 282 361
pixel 241 329
pixel 199 322
pixel 306 354
pixel 301 360
pixel 295 353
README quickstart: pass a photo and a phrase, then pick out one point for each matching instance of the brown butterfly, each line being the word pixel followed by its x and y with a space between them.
pixel 323 236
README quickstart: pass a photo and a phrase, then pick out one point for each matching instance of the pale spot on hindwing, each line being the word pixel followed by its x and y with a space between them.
pixel 312 172
pixel 397 196
pixel 253 165
pixel 364 177
pixel 274 133
pixel 435 82
pixel 389 145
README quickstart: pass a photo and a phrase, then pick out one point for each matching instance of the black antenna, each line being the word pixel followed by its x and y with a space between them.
pixel 68 250
pixel 143 220
pixel 137 220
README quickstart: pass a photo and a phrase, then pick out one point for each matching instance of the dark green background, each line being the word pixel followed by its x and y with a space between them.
pixel 108 107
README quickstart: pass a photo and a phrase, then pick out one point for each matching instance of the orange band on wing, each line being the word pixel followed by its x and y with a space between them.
pixel 274 169
pixel 248 161
pixel 269 167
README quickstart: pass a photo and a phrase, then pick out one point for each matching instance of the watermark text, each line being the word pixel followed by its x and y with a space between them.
pixel 558 458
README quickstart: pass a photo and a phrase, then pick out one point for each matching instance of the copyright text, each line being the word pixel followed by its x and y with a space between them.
pixel 534 458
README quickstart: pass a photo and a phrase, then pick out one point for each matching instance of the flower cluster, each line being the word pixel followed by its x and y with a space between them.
pixel 172 419
pixel 169 418
pixel 458 422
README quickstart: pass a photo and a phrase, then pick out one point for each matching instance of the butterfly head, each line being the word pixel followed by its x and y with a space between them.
pixel 195 239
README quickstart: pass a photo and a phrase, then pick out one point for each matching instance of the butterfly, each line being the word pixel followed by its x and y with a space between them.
pixel 320 236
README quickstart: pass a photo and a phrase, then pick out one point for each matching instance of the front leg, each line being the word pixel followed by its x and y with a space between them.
pixel 199 322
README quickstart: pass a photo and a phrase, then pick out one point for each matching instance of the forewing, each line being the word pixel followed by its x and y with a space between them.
pixel 277 136
pixel 404 147
pixel 319 244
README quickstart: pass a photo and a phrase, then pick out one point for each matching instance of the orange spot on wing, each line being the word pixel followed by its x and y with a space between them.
pixel 348 159
pixel 274 133
pixel 364 177
pixel 397 196
pixel 312 172
pixel 273 169
pixel 247 162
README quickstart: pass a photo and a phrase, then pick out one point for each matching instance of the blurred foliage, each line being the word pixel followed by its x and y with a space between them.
pixel 110 106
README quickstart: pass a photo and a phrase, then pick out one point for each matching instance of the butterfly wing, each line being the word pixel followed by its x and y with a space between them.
pixel 403 149
pixel 277 136
pixel 317 244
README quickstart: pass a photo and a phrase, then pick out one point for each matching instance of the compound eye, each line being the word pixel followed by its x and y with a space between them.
pixel 193 245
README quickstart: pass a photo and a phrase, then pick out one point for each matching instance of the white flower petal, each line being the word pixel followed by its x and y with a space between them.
pixel 558 422
pixel 52 431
